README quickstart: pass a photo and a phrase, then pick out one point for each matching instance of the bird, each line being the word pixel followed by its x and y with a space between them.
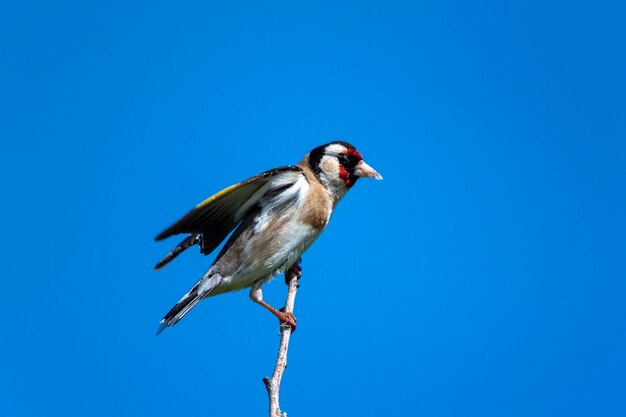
pixel 274 218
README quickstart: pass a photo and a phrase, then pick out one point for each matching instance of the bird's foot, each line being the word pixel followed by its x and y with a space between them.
pixel 288 319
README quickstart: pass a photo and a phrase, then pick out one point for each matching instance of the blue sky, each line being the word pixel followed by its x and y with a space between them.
pixel 483 277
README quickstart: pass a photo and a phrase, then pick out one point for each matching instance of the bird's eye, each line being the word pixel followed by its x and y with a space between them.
pixel 343 159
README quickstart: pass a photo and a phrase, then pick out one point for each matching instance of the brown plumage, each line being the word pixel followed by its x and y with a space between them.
pixel 319 207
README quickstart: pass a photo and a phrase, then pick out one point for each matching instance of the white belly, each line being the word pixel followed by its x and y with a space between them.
pixel 264 258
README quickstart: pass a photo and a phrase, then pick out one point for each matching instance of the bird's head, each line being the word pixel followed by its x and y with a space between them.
pixel 338 165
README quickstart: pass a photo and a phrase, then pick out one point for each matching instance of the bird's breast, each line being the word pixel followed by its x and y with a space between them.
pixel 317 207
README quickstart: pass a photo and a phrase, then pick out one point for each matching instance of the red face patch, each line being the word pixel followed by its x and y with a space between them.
pixel 346 177
pixel 347 161
pixel 354 153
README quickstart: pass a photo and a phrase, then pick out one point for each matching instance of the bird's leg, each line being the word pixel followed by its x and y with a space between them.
pixel 256 295
pixel 294 270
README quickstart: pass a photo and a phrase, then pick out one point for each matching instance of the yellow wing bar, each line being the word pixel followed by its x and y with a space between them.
pixel 218 195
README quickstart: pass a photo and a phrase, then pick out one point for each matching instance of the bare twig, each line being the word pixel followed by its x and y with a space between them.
pixel 273 385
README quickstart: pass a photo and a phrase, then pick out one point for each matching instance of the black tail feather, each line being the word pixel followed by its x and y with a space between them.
pixel 179 310
pixel 203 288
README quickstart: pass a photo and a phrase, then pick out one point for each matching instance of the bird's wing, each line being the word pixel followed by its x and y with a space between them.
pixel 212 220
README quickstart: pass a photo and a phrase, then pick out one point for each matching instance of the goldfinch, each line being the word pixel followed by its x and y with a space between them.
pixel 276 216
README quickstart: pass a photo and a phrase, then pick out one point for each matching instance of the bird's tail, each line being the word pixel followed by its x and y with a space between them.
pixel 207 283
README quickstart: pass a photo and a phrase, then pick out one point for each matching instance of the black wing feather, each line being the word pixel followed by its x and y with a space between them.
pixel 212 220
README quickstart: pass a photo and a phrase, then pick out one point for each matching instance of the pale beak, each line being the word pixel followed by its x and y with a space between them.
pixel 365 171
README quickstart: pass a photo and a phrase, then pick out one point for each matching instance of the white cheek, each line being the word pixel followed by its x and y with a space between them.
pixel 330 165
pixel 330 170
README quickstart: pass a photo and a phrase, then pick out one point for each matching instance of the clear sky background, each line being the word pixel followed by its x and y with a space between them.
pixel 485 276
